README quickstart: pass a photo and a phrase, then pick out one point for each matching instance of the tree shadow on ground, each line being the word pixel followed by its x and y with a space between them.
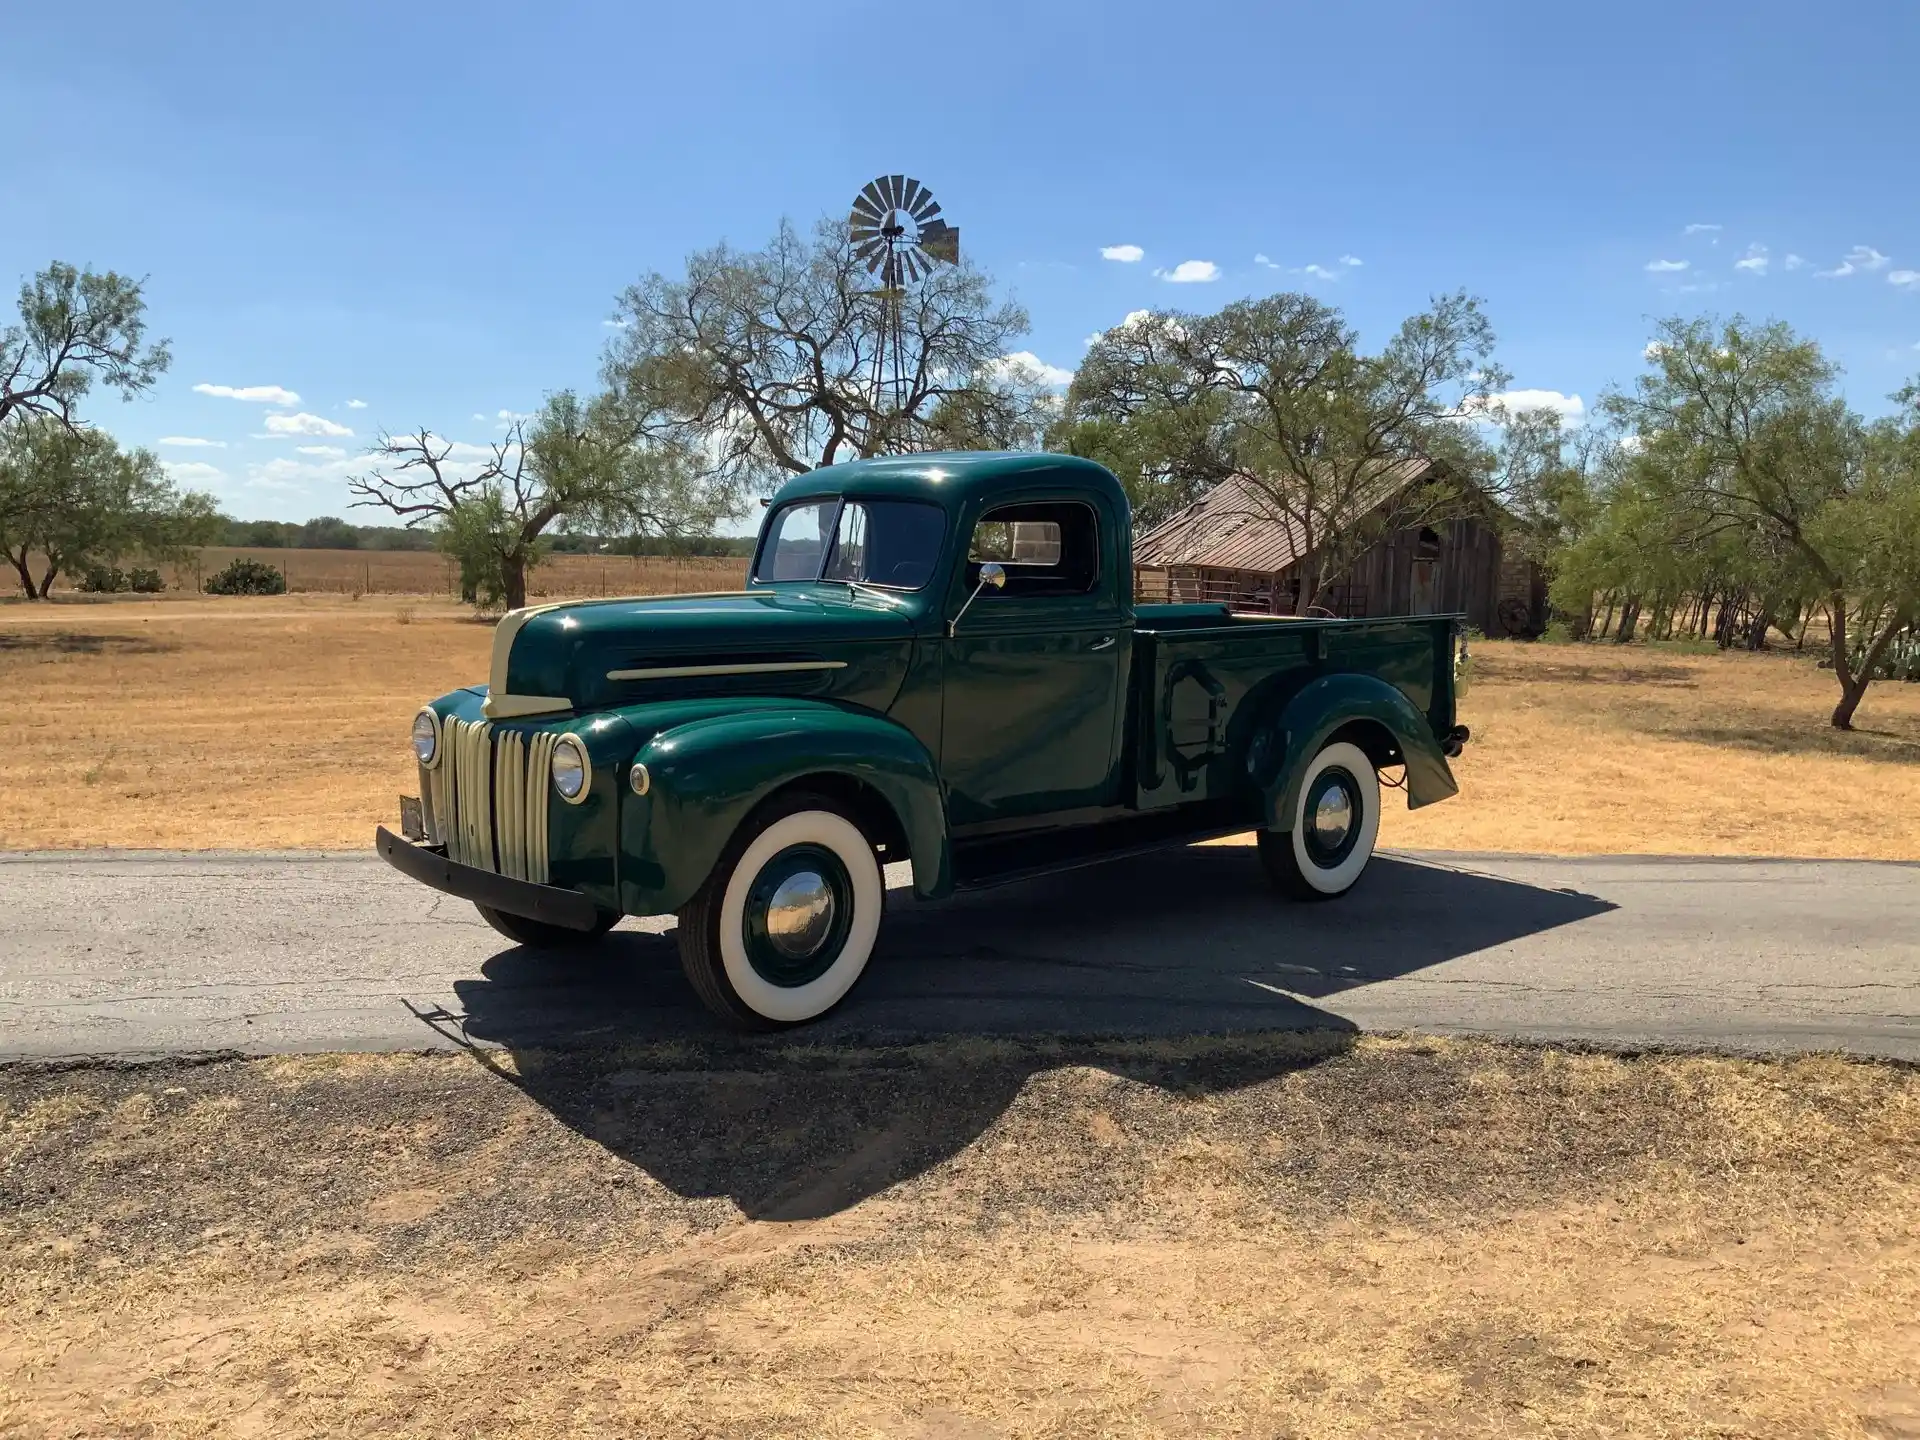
pixel 72 642
pixel 1178 970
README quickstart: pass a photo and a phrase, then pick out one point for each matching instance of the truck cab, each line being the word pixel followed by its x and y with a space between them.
pixel 936 659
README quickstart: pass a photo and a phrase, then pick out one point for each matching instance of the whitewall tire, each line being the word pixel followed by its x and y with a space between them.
pixel 786 923
pixel 1335 824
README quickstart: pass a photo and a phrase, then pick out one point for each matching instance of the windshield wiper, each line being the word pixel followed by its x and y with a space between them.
pixel 860 587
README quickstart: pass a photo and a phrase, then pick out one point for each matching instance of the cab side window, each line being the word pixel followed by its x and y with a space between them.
pixel 1049 548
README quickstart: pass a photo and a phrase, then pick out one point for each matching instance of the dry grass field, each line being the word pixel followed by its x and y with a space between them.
pixel 1300 1236
pixel 198 723
pixel 426 572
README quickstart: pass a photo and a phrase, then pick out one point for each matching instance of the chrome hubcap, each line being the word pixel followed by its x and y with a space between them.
pixel 1332 817
pixel 800 914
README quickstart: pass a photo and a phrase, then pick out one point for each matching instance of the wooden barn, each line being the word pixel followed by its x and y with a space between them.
pixel 1229 547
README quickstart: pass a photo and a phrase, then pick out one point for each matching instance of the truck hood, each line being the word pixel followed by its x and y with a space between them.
pixel 793 640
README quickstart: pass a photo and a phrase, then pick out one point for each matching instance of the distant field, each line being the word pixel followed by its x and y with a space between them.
pixel 203 723
pixel 426 572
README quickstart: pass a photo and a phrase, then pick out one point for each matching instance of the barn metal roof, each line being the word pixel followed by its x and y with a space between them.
pixel 1234 526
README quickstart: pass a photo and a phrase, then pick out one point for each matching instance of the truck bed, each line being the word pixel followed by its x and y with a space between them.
pixel 1204 677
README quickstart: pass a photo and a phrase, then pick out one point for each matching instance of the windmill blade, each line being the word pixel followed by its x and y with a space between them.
pixel 941 241
pixel 929 207
pixel 896 187
pixel 870 254
pixel 863 231
pixel 875 196
pixel 865 214
pixel 912 195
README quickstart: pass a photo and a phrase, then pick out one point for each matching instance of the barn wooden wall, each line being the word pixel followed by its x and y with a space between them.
pixel 1469 581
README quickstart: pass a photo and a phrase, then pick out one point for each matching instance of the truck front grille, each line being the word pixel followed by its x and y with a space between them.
pixel 486 800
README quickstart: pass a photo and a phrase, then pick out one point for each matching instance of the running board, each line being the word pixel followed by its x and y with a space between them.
pixel 1002 860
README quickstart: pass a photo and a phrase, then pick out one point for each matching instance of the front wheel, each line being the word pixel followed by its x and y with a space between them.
pixel 538 935
pixel 1334 827
pixel 785 924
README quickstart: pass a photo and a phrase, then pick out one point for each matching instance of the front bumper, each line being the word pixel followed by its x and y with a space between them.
pixel 551 904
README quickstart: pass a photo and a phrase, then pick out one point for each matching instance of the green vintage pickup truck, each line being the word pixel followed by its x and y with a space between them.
pixel 937 660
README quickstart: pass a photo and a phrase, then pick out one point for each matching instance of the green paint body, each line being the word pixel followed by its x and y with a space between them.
pixel 1036 713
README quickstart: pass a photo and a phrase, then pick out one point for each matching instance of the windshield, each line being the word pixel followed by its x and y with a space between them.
pixel 890 543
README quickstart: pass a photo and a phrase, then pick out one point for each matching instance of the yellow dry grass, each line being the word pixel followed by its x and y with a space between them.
pixel 427 572
pixel 1280 1236
pixel 1644 749
pixel 200 723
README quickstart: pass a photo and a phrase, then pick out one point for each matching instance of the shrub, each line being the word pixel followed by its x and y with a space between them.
pixel 145 582
pixel 103 580
pixel 247 577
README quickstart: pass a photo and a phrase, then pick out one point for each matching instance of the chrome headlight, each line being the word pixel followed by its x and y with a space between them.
pixel 570 772
pixel 426 737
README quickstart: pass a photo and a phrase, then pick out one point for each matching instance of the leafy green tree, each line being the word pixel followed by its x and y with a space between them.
pixel 1746 444
pixel 71 499
pixel 577 466
pixel 328 532
pixel 763 362
pixel 75 327
pixel 1277 393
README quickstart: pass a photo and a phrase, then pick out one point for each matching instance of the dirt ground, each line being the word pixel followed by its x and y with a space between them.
pixel 1302 1235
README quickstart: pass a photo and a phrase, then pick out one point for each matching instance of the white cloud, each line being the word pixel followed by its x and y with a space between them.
pixel 1189 272
pixel 1125 254
pixel 1026 364
pixel 1666 267
pixel 1792 262
pixel 1754 262
pixel 1908 278
pixel 304 424
pixel 1567 407
pixel 356 404
pixel 1263 260
pixel 1698 229
pixel 1632 444
pixel 1318 272
pixel 1127 322
pixel 193 440
pixel 333 452
pixel 193 472
pixel 1860 257
pixel 616 324
pixel 1351 260
pixel 505 418
pixel 1655 349
pixel 265 394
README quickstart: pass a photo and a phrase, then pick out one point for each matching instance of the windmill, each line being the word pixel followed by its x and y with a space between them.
pixel 899 236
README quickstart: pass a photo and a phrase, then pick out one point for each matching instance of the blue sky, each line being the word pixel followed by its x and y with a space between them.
pixel 429 208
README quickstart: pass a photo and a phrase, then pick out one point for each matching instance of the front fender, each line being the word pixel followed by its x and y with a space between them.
pixel 1330 704
pixel 705 778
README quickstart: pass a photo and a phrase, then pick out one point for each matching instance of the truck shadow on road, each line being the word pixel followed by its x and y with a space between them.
pixel 1179 970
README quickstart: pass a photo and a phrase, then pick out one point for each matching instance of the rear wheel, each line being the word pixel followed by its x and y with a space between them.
pixel 1334 827
pixel 785 924
pixel 538 935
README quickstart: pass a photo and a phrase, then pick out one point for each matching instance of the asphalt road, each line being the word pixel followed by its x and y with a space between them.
pixel 141 954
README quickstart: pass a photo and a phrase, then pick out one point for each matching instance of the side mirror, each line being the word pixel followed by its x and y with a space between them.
pixel 991 573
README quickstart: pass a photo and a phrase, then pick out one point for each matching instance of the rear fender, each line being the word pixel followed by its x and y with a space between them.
pixel 1384 722
pixel 706 777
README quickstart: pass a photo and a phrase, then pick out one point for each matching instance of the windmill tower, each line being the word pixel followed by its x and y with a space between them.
pixel 899 236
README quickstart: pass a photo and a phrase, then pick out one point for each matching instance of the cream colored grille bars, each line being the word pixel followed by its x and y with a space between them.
pixel 486 800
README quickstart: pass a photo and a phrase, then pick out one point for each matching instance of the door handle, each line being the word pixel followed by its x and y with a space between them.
pixel 1104 643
